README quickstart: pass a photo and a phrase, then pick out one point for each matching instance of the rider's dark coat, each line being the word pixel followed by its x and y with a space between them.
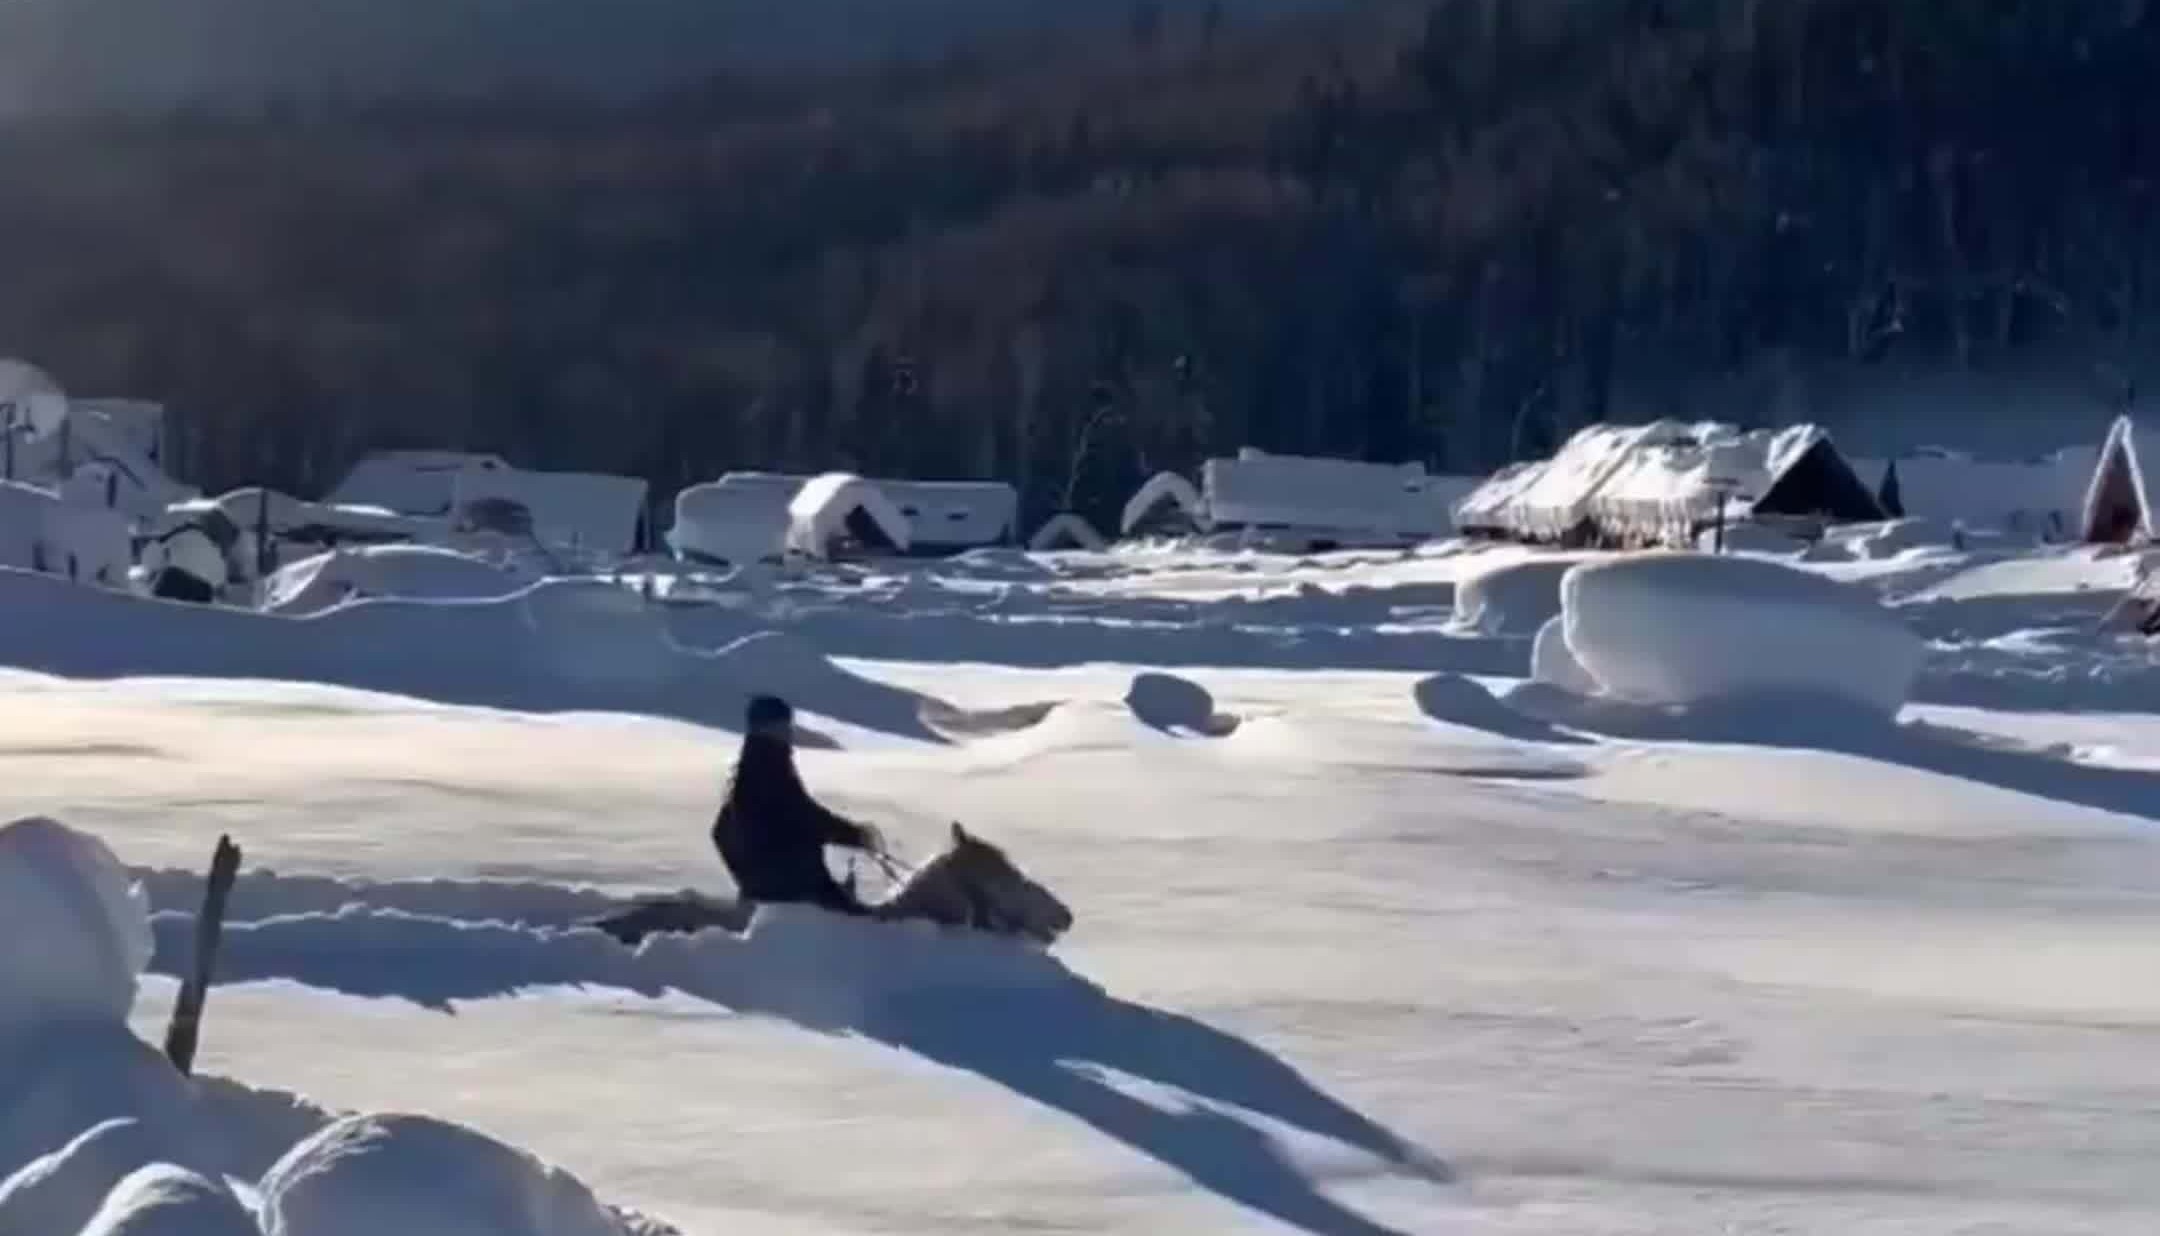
pixel 772 835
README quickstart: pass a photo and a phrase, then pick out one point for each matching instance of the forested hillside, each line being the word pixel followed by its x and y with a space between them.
pixel 1437 230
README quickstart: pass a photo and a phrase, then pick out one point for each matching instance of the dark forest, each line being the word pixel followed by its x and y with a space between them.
pixel 1439 231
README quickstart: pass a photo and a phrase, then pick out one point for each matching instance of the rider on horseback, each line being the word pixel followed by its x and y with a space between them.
pixel 771 834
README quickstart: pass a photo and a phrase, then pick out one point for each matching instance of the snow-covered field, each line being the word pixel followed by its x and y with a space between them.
pixel 1377 939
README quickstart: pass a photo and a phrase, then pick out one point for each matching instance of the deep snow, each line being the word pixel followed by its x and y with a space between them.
pixel 1390 943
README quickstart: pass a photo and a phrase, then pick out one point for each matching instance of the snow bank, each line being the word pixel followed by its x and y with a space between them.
pixel 414 572
pixel 1689 629
pixel 1512 599
pixel 165 1200
pixel 74 933
pixel 405 1175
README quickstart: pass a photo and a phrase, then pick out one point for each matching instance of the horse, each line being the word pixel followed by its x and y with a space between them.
pixel 973 885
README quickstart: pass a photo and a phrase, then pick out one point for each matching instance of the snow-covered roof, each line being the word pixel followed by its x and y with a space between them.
pixel 2038 495
pixel 411 482
pixel 1163 488
pixel 297 518
pixel 578 510
pixel 829 508
pixel 954 514
pixel 43 531
pixel 1340 496
pixel 742 517
pixel 1670 481
pixel 1485 507
pixel 939 514
pixel 1659 481
pixel 1066 531
pixel 94 452
pixel 2118 482
pixel 1549 501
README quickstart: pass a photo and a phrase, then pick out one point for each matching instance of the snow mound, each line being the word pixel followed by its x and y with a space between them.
pixel 1511 600
pixel 415 572
pixel 1176 705
pixel 1553 663
pixel 74 933
pixel 59 1191
pixel 378 1175
pixel 60 1079
pixel 164 1200
pixel 1692 629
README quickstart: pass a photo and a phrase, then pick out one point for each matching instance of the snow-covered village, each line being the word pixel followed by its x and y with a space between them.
pixel 1697 829
pixel 1006 617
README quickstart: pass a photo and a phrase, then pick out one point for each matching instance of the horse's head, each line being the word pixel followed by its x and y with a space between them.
pixel 1010 900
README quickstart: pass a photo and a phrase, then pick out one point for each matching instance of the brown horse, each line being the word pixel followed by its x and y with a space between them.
pixel 971 885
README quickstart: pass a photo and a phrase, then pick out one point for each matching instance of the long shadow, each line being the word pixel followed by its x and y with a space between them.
pixel 1027 1024
pixel 1455 700
pixel 1813 724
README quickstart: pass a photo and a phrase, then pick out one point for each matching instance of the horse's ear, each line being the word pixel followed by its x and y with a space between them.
pixel 960 835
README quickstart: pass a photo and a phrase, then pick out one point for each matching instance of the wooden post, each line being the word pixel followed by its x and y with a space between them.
pixel 262 532
pixel 186 1027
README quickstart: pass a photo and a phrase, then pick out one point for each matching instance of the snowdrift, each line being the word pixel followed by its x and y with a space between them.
pixel 1513 599
pixel 101 1136
pixel 1691 629
pixel 561 645
pixel 413 572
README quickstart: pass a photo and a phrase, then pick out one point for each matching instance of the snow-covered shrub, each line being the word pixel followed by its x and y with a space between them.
pixel 1681 628
pixel 403 1175
pixel 1513 599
